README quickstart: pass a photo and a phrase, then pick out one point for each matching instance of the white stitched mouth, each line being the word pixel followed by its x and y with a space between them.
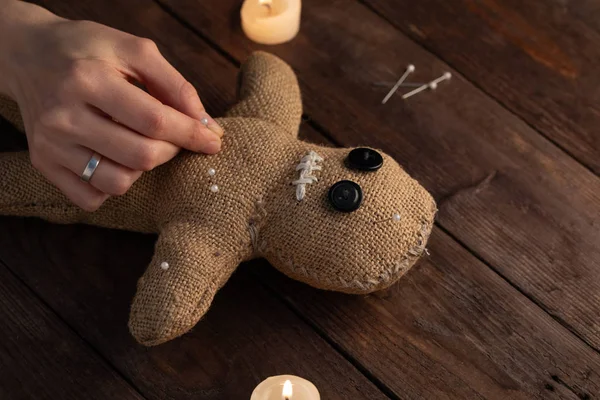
pixel 307 165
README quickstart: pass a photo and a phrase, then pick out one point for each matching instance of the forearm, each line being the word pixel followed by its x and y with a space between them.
pixel 17 20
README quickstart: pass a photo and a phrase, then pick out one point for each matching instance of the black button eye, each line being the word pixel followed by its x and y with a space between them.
pixel 345 196
pixel 364 159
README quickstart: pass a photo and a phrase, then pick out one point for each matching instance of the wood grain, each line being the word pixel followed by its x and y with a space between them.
pixel 507 193
pixel 538 58
pixel 451 329
pixel 466 332
pixel 88 275
pixel 41 358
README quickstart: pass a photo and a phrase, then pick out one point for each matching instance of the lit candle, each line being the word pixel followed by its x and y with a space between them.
pixel 271 21
pixel 285 387
pixel 288 390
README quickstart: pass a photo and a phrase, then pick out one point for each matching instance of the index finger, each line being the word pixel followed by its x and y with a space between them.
pixel 161 79
pixel 141 112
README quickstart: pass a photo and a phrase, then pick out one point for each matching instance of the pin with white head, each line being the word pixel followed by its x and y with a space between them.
pixel 395 218
pixel 409 69
pixel 431 85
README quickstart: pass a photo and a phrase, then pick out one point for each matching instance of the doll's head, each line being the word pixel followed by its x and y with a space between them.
pixel 355 223
pixel 350 220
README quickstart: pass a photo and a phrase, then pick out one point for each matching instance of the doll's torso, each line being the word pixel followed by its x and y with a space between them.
pixel 257 163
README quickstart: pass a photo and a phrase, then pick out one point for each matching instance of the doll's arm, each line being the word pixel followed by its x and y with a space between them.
pixel 25 192
pixel 268 90
pixel 179 285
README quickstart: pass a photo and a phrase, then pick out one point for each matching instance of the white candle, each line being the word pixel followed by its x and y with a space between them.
pixel 278 388
pixel 271 21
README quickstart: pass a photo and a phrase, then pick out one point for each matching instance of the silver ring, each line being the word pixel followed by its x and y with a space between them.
pixel 90 168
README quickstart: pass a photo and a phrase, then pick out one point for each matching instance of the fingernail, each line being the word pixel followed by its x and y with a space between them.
pixel 211 147
pixel 212 125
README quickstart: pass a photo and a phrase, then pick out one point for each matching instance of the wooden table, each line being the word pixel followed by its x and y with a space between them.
pixel 507 306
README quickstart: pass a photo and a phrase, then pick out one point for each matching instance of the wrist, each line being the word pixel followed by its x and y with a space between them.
pixel 18 20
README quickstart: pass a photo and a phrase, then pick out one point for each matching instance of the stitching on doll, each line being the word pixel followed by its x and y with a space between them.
pixel 358 284
pixel 255 223
pixel 307 165
pixel 416 251
pixel 290 264
pixel 253 230
pixel 398 268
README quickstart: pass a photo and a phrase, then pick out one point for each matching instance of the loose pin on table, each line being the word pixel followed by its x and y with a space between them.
pixel 431 85
pixel 409 69
pixel 403 84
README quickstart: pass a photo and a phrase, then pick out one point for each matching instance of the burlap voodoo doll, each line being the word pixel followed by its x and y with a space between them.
pixel 349 220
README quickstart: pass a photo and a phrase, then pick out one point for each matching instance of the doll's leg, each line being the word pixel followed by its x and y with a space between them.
pixel 179 285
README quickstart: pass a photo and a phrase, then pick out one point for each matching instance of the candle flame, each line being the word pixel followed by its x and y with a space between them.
pixel 287 391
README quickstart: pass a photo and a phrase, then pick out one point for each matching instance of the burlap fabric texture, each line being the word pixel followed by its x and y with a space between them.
pixel 204 236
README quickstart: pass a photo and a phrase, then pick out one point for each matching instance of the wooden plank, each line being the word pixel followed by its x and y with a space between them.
pixel 535 57
pixel 510 195
pixel 451 329
pixel 41 358
pixel 88 275
pixel 486 350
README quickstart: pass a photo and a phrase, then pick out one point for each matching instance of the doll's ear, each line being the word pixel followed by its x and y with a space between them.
pixel 9 110
pixel 268 90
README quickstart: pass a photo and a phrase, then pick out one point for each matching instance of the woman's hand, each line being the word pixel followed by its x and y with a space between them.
pixel 73 81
